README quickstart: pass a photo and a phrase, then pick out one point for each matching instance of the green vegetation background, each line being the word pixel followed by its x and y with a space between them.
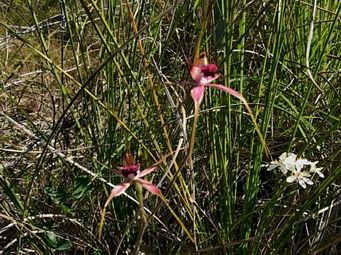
pixel 78 87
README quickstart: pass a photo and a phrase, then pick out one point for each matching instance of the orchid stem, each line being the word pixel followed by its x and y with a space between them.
pixel 143 218
pixel 192 141
pixel 191 165
pixel 140 199
pixel 101 223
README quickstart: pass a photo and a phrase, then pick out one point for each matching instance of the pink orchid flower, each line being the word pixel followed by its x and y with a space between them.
pixel 203 73
pixel 132 173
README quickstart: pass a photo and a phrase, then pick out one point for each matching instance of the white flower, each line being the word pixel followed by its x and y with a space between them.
pixel 314 169
pixel 300 163
pixel 286 162
pixel 301 177
pixel 299 169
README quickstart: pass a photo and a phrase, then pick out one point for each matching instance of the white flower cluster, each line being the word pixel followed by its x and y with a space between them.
pixel 299 169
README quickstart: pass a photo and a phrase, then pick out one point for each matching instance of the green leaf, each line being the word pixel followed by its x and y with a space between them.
pixel 9 191
pixel 55 242
pixel 82 187
pixel 58 196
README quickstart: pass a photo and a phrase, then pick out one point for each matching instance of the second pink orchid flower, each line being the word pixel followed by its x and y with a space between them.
pixel 131 173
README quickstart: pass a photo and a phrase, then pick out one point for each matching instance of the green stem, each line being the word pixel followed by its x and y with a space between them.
pixel 143 218
pixel 140 200
pixel 192 141
pixel 101 223
pixel 191 166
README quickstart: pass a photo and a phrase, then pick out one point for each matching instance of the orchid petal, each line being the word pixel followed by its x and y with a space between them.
pixel 201 60
pixel 118 190
pixel 145 172
pixel 228 90
pixel 206 80
pixel 196 73
pixel 149 186
pixel 198 94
